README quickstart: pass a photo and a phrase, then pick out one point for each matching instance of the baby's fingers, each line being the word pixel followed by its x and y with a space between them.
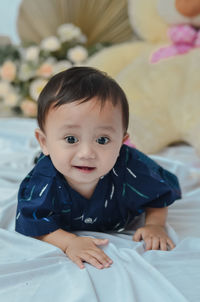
pixel 155 243
pixel 93 261
pixel 152 243
pixel 78 262
pixel 86 258
pixel 170 243
pixel 148 243
pixel 163 245
pixel 100 241
pixel 101 257
pixel 137 236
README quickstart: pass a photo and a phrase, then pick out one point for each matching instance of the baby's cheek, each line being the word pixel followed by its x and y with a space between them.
pixel 60 162
pixel 110 161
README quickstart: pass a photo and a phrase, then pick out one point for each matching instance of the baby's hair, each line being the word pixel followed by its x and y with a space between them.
pixel 81 84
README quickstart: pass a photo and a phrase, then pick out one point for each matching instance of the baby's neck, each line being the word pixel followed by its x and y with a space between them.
pixel 86 190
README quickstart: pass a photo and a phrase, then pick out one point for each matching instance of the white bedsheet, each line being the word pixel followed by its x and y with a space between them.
pixel 34 271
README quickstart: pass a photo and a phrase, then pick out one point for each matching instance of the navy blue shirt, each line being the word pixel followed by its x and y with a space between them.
pixel 46 202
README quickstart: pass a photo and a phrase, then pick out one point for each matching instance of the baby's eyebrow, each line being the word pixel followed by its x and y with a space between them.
pixel 102 128
pixel 108 128
pixel 69 126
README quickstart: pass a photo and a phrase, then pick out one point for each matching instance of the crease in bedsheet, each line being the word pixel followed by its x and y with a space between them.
pixel 130 272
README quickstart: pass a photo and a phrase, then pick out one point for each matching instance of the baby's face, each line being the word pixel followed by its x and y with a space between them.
pixel 83 140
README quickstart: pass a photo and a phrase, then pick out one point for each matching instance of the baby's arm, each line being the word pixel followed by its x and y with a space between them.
pixel 153 233
pixel 79 249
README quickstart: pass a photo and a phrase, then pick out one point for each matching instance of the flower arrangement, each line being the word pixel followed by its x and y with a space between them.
pixel 24 71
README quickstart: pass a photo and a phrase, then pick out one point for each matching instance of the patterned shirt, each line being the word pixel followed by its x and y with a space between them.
pixel 46 202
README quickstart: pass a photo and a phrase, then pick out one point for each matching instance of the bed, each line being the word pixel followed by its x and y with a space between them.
pixel 31 270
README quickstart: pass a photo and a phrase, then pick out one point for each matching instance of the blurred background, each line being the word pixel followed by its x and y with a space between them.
pixel 41 38
pixel 151 48
pixel 8 19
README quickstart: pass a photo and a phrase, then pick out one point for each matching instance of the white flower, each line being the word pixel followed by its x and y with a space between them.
pixel 11 99
pixel 36 87
pixel 5 88
pixel 8 71
pixel 77 54
pixel 51 43
pixel 83 39
pixel 61 66
pixel 51 60
pixel 29 107
pixel 26 72
pixel 68 32
pixel 31 53
pixel 45 70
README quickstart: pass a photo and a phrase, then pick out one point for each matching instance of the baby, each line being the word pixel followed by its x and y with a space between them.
pixel 86 177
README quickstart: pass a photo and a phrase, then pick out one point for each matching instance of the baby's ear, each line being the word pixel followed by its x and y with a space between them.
pixel 125 138
pixel 41 137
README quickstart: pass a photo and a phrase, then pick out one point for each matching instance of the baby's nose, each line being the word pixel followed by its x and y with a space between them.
pixel 86 151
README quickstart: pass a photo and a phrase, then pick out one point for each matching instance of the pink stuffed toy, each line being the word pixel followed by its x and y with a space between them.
pixel 183 37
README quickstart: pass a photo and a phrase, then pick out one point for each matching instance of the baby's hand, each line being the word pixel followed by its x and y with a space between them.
pixel 84 249
pixel 155 237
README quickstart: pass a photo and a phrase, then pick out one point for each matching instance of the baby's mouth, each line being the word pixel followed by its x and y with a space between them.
pixel 85 168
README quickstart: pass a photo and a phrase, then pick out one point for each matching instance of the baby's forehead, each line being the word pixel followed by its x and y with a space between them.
pixel 94 102
pixel 85 109
pixel 77 112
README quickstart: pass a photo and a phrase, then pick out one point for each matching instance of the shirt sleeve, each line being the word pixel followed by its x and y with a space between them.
pixel 38 208
pixel 146 183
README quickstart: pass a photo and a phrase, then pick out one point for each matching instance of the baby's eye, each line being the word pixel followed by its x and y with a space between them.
pixel 71 139
pixel 102 140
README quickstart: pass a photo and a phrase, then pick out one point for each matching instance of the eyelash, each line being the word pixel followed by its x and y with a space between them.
pixel 67 139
